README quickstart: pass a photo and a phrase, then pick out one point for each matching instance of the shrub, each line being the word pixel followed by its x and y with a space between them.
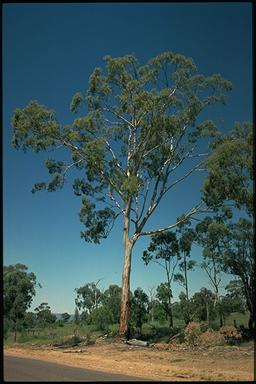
pixel 211 338
pixel 102 317
pixel 230 333
pixel 192 333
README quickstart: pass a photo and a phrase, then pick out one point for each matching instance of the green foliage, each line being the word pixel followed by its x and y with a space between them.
pixel 202 304
pixel 34 127
pixel 164 250
pixel 230 170
pixel 44 317
pixel 164 295
pixel 99 222
pixel 235 294
pixel 139 304
pixel 30 320
pixel 239 260
pixel 112 299
pixel 76 102
pixel 88 297
pixel 101 318
pixel 163 246
pixel 19 289
pixel 186 308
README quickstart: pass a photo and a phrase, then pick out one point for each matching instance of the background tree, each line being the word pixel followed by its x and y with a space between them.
pixel 239 260
pixel 19 289
pixel 65 317
pixel 228 189
pixel 88 297
pixel 76 316
pixel 112 299
pixel 236 295
pixel 210 234
pixel 203 305
pixel 186 238
pixel 186 308
pixel 164 250
pixel 152 302
pixel 102 317
pixel 30 320
pixel 44 315
pixel 140 127
pixel 229 183
pixel 164 295
pixel 139 305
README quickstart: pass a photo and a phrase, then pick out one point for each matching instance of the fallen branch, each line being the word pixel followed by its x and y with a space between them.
pixel 174 337
pixel 137 343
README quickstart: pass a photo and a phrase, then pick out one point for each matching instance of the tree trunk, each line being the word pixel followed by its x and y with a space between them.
pixel 207 314
pixel 124 314
pixel 125 294
pixel 170 318
pixel 185 274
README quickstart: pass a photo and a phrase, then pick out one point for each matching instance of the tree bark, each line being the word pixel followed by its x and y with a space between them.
pixel 125 294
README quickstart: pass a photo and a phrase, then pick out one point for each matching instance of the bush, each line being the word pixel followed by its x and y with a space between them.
pixel 211 338
pixel 192 333
pixel 102 317
pixel 230 334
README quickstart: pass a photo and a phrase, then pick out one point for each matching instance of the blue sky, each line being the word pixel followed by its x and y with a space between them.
pixel 49 52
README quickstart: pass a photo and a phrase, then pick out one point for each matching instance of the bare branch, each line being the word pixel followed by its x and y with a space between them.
pixel 117 115
pixel 71 165
pixel 113 155
pixel 144 201
pixel 114 200
pixel 199 154
pixel 182 178
pixel 190 213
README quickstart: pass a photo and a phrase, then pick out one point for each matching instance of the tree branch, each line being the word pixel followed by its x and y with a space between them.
pixel 194 210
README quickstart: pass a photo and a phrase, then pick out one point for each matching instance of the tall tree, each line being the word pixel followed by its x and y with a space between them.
pixel 19 289
pixel 140 127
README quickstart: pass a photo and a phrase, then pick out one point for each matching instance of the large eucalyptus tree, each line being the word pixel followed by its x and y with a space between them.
pixel 138 127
